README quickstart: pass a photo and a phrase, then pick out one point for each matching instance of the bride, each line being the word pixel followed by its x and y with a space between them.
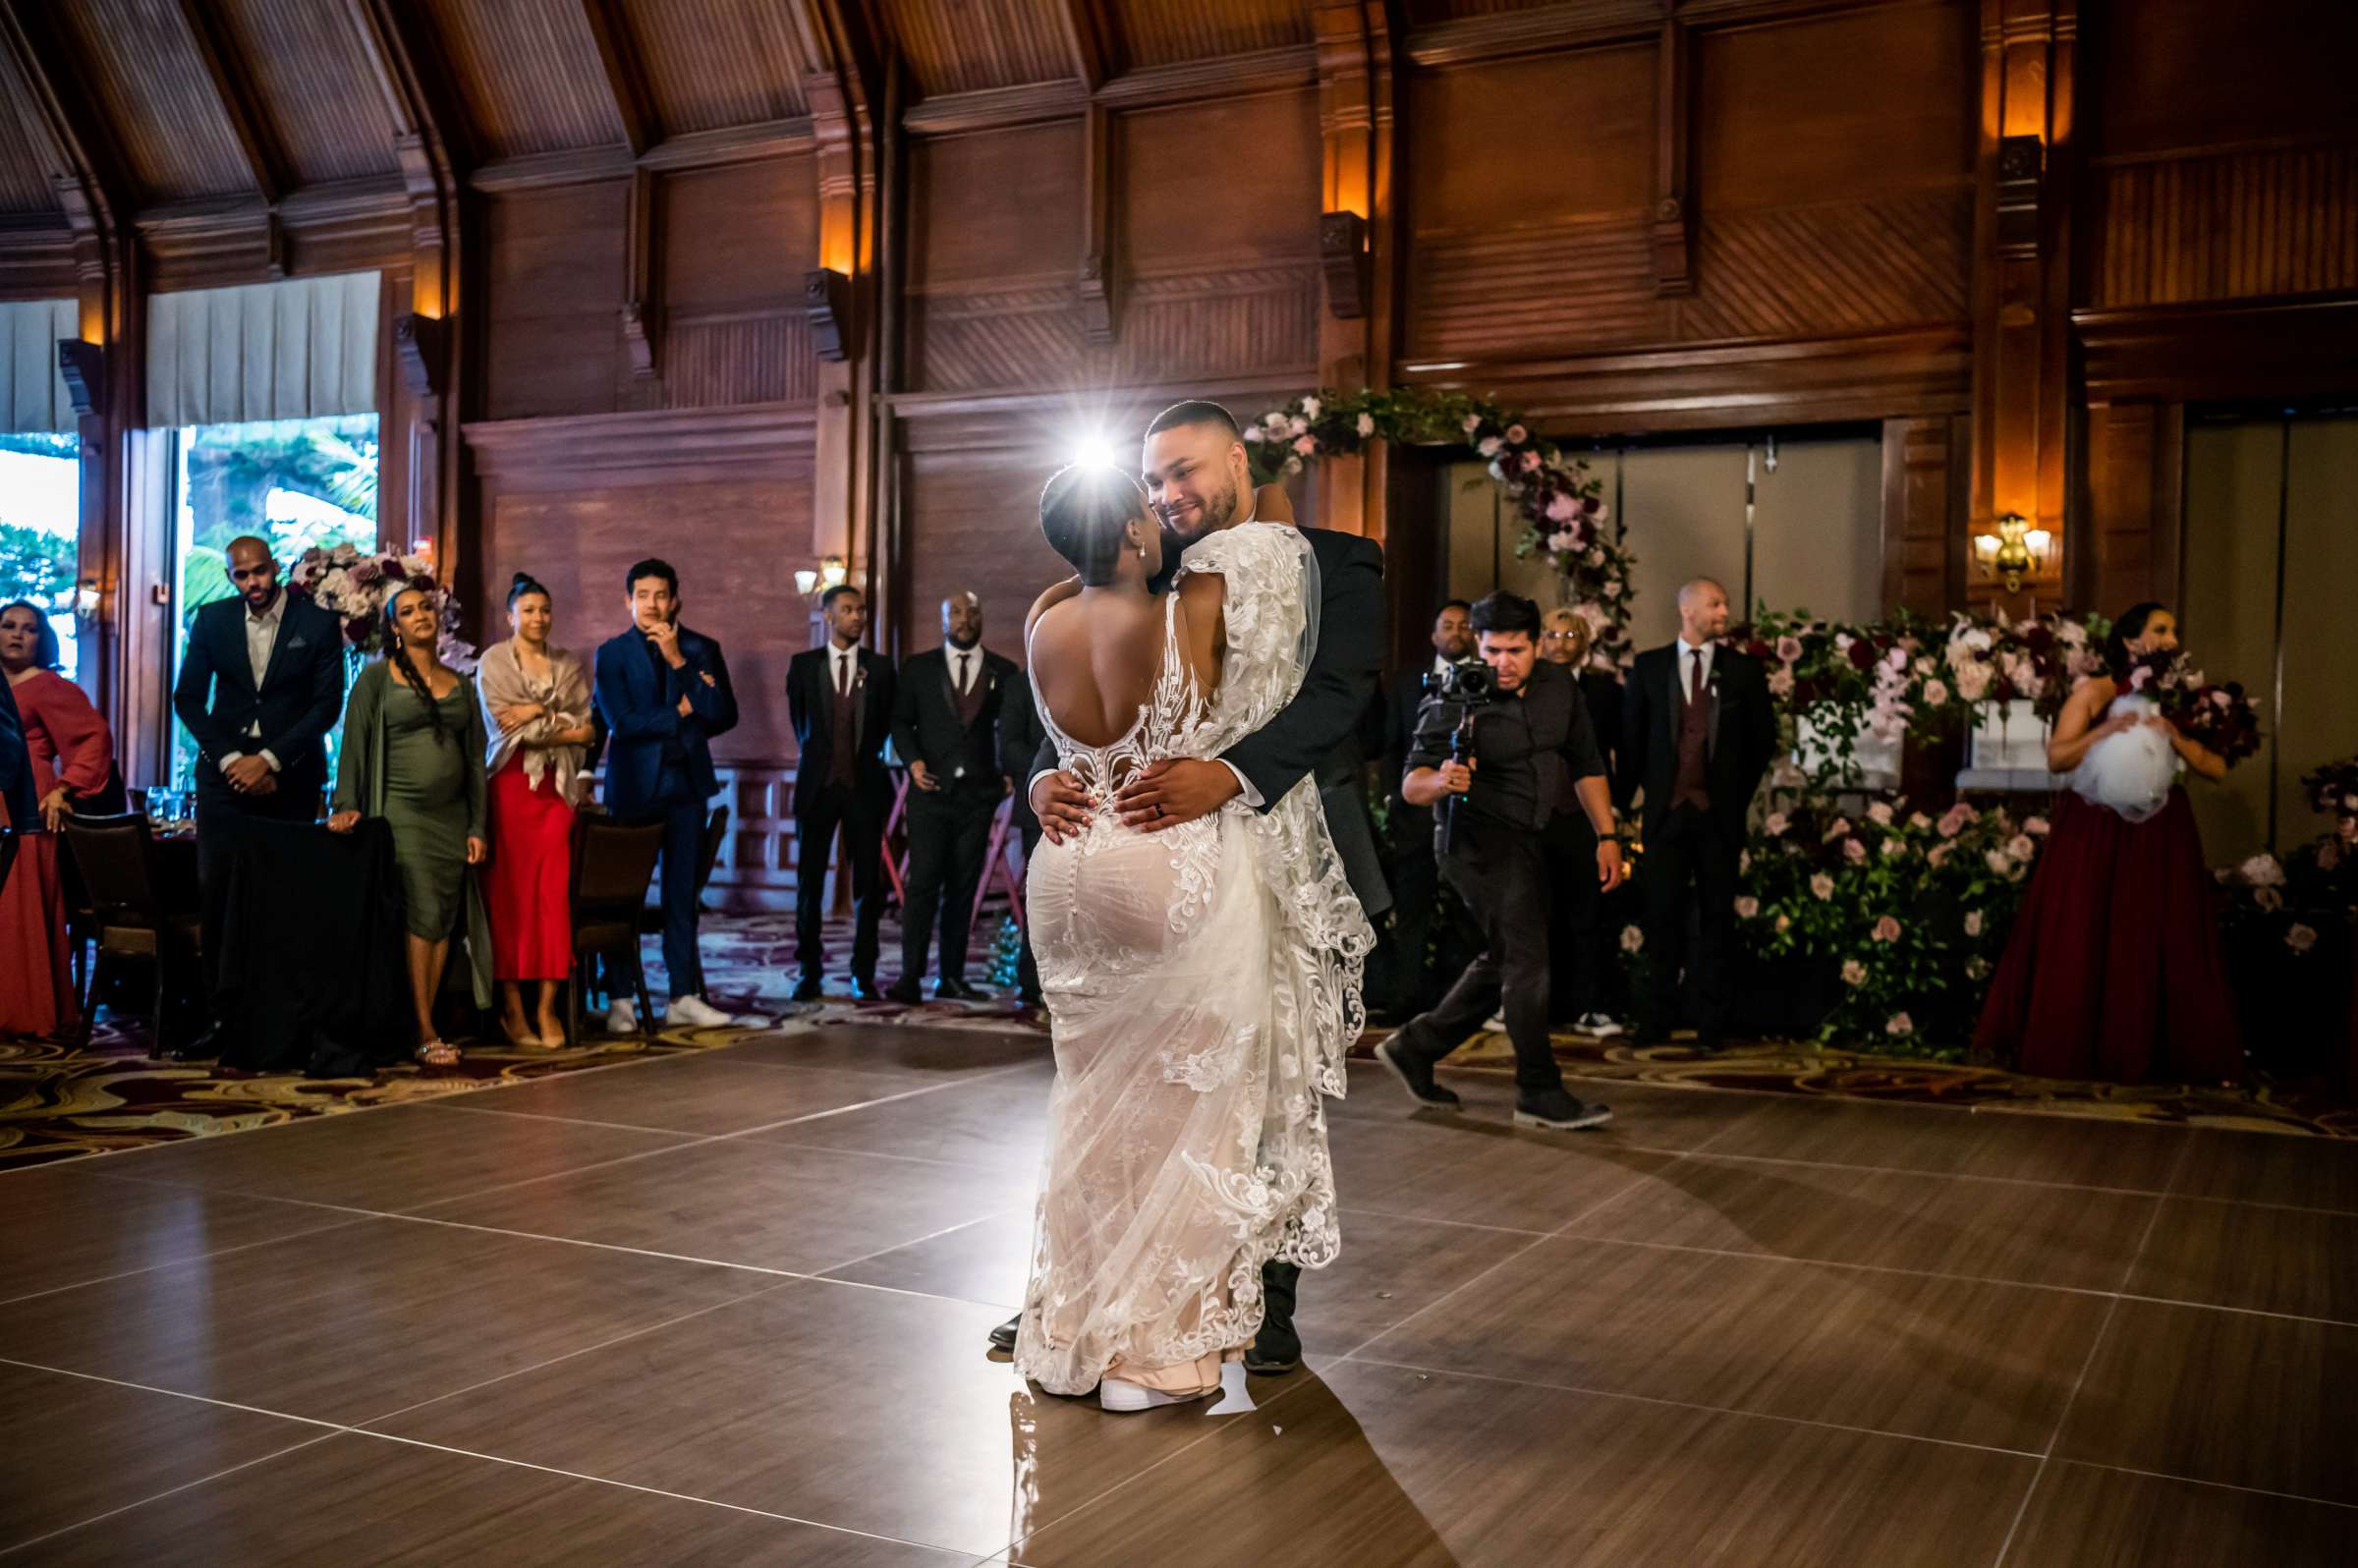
pixel 1202 982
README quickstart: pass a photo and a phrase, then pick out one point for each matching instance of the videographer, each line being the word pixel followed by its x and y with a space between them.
pixel 1495 746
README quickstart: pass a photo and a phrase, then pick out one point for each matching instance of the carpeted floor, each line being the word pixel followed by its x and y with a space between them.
pixel 57 1103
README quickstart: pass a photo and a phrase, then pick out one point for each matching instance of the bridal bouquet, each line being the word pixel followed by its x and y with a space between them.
pixel 355 587
pixel 2214 715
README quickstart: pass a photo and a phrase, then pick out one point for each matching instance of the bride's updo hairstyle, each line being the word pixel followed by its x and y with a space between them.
pixel 2126 629
pixel 1083 511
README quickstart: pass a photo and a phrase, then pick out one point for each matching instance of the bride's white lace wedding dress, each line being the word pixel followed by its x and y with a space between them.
pixel 1202 984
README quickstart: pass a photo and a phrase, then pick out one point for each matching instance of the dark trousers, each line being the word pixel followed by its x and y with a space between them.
pixel 1690 864
pixel 682 816
pixel 1027 971
pixel 949 834
pixel 1578 949
pixel 1502 874
pixel 860 817
pixel 1415 888
pixel 220 811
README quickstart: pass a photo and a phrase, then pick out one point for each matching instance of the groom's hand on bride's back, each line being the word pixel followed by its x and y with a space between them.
pixel 1060 804
pixel 1175 789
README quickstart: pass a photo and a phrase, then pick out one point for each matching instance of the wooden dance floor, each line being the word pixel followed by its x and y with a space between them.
pixel 730 1308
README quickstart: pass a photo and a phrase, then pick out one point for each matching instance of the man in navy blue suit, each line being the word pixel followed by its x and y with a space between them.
pixel 664 693
pixel 260 686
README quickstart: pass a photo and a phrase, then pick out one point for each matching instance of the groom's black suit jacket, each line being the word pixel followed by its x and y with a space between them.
pixel 1341 679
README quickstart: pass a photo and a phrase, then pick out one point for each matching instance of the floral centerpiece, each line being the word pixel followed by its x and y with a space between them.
pixel 2040 660
pixel 355 585
pixel 1562 506
pixel 2333 791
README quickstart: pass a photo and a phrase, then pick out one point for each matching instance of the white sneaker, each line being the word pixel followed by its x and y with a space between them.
pixel 1600 1024
pixel 1124 1397
pixel 696 1013
pixel 622 1017
pixel 751 1020
pixel 1495 1023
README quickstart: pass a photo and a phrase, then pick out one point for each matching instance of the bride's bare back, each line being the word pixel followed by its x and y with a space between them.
pixel 1096 655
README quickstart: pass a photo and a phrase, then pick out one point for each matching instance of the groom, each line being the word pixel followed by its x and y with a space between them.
pixel 1198 481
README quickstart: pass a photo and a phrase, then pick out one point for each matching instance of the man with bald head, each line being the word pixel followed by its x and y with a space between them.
pixel 1698 734
pixel 260 686
pixel 946 727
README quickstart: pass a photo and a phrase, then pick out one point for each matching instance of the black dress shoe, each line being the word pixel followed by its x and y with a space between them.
pixel 205 1048
pixel 1558 1111
pixel 906 991
pixel 1004 1336
pixel 1269 1363
pixel 1416 1076
pixel 956 990
pixel 864 987
pixel 809 989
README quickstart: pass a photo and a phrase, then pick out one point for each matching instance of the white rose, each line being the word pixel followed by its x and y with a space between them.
pixel 1310 408
pixel 1367 424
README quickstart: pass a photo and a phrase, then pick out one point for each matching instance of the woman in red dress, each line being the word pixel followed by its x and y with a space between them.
pixel 2116 971
pixel 72 757
pixel 537 711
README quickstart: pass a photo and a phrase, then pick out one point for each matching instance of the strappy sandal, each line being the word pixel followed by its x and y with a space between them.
pixel 437 1053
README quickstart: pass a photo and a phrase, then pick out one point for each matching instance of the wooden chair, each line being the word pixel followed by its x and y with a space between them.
pixel 612 865
pixel 116 857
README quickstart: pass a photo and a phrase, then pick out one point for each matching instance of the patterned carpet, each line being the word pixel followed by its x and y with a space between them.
pixel 57 1103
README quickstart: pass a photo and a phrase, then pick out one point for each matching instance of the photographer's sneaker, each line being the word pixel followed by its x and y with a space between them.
pixel 1414 1076
pixel 695 1013
pixel 1558 1111
pixel 1495 1023
pixel 622 1017
pixel 1602 1026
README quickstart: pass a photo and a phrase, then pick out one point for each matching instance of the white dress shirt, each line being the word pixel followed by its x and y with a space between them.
pixel 262 637
pixel 1688 657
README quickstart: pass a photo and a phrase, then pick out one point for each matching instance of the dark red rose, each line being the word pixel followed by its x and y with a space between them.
pixel 1861 655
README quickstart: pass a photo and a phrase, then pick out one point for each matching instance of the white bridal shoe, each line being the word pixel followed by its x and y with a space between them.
pixel 1122 1397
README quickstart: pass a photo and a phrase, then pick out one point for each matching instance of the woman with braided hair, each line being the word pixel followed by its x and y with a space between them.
pixel 414 755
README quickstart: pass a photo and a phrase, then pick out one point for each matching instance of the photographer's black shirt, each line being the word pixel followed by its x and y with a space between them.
pixel 1531 747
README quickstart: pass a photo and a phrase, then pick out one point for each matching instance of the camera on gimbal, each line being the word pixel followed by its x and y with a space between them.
pixel 1469 686
pixel 1468 683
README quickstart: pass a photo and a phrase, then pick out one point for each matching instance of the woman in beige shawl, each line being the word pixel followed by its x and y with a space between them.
pixel 536 715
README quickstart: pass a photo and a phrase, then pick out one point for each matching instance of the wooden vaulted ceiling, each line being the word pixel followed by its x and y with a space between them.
pixel 179 105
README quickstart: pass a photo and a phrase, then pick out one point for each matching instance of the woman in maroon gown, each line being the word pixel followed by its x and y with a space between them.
pixel 2116 971
pixel 72 757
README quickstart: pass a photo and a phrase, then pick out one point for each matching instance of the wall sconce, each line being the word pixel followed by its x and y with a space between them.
pixel 1343 257
pixel 87 599
pixel 826 300
pixel 418 350
pixel 2013 552
pixel 831 573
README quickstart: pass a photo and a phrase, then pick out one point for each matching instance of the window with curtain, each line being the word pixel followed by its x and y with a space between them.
pixel 41 468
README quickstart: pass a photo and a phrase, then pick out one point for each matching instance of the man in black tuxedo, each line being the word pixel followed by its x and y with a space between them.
pixel 1416 873
pixel 945 720
pixel 1199 479
pixel 260 686
pixel 1020 737
pixel 840 696
pixel 1698 734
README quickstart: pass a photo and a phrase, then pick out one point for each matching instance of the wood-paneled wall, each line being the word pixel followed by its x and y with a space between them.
pixel 1053 216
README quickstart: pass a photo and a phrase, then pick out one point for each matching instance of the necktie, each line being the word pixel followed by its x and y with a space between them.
pixel 1695 680
pixel 842 675
pixel 960 675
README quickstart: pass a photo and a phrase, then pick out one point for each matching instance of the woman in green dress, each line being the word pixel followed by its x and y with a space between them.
pixel 413 753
